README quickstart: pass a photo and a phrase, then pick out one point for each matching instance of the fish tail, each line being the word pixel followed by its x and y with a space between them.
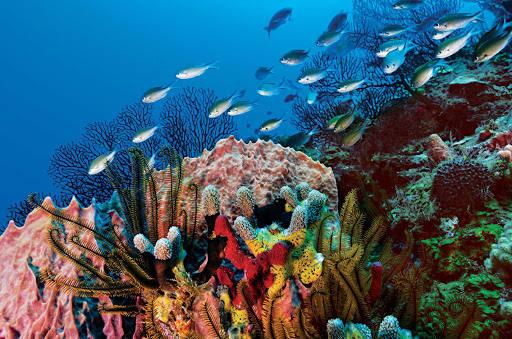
pixel 172 86
pixel 210 65
pixel 268 30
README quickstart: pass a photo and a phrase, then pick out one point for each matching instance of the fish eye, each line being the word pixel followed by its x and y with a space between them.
pixel 445 25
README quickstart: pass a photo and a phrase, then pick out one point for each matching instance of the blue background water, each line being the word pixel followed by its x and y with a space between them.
pixel 65 64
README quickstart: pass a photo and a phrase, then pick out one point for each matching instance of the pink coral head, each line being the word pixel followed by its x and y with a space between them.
pixel 222 226
pixel 278 254
pixel 377 268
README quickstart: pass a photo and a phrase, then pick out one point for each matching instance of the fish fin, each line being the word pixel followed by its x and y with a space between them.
pixel 210 65
pixel 172 86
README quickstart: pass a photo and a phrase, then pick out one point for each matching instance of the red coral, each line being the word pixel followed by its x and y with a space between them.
pixel 278 254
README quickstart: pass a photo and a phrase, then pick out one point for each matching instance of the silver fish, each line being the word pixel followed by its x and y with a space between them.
pixel 332 123
pixel 389 46
pixel 144 134
pixel 101 162
pixel 241 107
pixel 492 47
pixel 262 73
pixel 452 22
pixel 423 73
pixel 328 38
pixel 220 106
pixel 150 164
pixel 429 21
pixel 393 30
pixel 298 139
pixel 493 33
pixel 192 71
pixel 156 93
pixel 270 125
pixel 349 85
pixel 395 59
pixel 407 4
pixel 454 44
pixel 269 89
pixel 312 75
pixel 295 57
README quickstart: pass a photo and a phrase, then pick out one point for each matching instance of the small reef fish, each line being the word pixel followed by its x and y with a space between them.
pixel 262 73
pixel 345 120
pixel 332 123
pixel 341 47
pixel 328 38
pixel 338 22
pixel 452 22
pixel 395 59
pixel 278 19
pixel 192 71
pixel 407 4
pixel 423 73
pixel 221 106
pixel 269 89
pixel 492 47
pixel 438 35
pixel 429 21
pixel 290 97
pixel 311 97
pixel 241 107
pixel 354 135
pixel 393 30
pixel 295 57
pixel 156 93
pixel 101 162
pixel 349 85
pixel 270 125
pixel 493 33
pixel 390 45
pixel 312 75
pixel 298 139
pixel 454 44
pixel 144 134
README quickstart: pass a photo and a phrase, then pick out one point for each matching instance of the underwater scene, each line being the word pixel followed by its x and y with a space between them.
pixel 266 169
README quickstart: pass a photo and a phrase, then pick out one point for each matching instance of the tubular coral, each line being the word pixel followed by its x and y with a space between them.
pixel 298 221
pixel 389 328
pixel 245 200
pixel 163 249
pixel 244 229
pixel 142 244
pixel 211 201
pixel 303 190
pixel 314 206
pixel 289 195
pixel 174 236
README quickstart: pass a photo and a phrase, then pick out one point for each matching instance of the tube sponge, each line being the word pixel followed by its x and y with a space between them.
pixel 500 259
pixel 244 229
pixel 174 236
pixel 298 221
pixel 142 243
pixel 314 206
pixel 303 190
pixel 245 200
pixel 211 201
pixel 163 249
pixel 289 195
pixel 335 329
pixel 389 328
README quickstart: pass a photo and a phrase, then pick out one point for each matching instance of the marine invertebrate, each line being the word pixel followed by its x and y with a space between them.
pixel 437 150
pixel 500 258
pixel 469 180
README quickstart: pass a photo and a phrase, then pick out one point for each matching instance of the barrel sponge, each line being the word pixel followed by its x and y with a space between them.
pixel 314 206
pixel 335 329
pixel 389 328
pixel 303 190
pixel 461 175
pixel 245 200
pixel 298 221
pixel 289 195
pixel 163 249
pixel 244 229
pixel 174 236
pixel 211 201
pixel 142 243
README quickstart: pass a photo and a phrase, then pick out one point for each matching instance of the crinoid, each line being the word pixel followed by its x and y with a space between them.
pixel 139 251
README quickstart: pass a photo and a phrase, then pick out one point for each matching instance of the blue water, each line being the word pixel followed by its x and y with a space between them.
pixel 65 64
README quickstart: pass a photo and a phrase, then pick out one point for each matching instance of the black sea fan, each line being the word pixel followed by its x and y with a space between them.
pixel 461 184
